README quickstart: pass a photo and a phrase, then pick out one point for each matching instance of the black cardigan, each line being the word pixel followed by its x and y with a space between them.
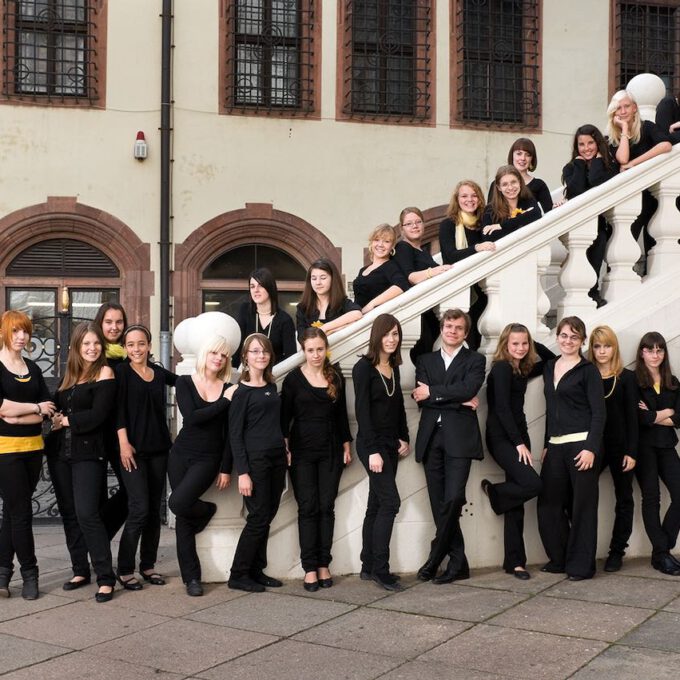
pixel 621 430
pixel 304 321
pixel 579 176
pixel 531 214
pixel 280 331
pixel 368 286
pixel 577 405
pixel 319 425
pixel 447 242
pixel 662 436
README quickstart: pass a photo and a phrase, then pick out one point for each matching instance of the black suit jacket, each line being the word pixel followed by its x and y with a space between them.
pixel 448 390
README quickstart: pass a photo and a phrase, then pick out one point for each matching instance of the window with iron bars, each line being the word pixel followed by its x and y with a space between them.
pixel 270 56
pixel 387 68
pixel 50 49
pixel 648 41
pixel 497 64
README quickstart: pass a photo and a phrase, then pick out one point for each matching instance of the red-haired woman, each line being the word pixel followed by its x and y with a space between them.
pixel 316 429
pixel 24 400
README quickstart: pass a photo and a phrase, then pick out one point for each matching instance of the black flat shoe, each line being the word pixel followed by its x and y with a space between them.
pixel 130 584
pixel 388 582
pixel 267 581
pixel 486 484
pixel 154 579
pixel 246 584
pixel 367 576
pixel 575 577
pixel 428 571
pixel 310 586
pixel 449 575
pixel 74 585
pixel 521 574
pixel 613 562
pixel 104 597
pixel 194 588
pixel 550 568
pixel 325 582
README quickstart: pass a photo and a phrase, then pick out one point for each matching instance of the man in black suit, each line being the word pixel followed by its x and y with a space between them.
pixel 447 382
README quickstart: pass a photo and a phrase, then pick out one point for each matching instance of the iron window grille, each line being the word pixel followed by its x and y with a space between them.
pixel 648 41
pixel 498 62
pixel 270 55
pixel 50 49
pixel 388 59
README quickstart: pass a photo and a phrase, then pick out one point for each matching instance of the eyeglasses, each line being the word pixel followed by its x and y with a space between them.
pixel 656 351
pixel 258 352
pixel 415 223
pixel 565 337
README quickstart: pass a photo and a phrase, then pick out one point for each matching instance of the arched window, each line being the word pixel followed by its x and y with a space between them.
pixel 224 281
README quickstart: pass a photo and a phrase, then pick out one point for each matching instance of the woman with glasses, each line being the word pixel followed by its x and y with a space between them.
pixel 659 414
pixel 260 459
pixel 418 265
pixel 575 418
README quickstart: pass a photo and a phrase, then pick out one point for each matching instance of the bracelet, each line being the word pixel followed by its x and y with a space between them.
pixel 429 272
pixel 39 411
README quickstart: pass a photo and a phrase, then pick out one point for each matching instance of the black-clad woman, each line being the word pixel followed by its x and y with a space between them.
pixel 316 429
pixel 381 440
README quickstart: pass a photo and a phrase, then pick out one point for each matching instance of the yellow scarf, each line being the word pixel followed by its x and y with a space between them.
pixel 115 351
pixel 469 221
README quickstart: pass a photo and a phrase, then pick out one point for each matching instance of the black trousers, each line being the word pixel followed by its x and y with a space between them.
pixel 19 474
pixel 144 487
pixel 315 479
pixel 429 332
pixel 381 509
pixel 649 206
pixel 522 483
pixel 625 505
pixel 189 480
pixel 446 478
pixel 567 511
pixel 268 474
pixel 597 249
pixel 654 464
pixel 62 482
pixel 480 301
pixel 114 508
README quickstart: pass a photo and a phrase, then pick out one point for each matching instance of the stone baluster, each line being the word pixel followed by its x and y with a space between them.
pixel 622 251
pixel 411 332
pixel 665 226
pixel 577 276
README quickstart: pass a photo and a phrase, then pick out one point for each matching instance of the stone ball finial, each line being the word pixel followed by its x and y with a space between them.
pixel 190 333
pixel 648 91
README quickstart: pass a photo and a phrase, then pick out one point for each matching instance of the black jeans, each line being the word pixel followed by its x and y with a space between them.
pixel 114 508
pixel 144 487
pixel 522 483
pixel 597 249
pixel 567 511
pixel 446 478
pixel 268 474
pixel 381 509
pixel 649 206
pixel 19 473
pixel 654 464
pixel 315 479
pixel 62 482
pixel 625 505
pixel 87 478
pixel 189 480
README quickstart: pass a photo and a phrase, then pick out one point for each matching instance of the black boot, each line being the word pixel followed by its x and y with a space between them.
pixel 29 590
pixel 5 578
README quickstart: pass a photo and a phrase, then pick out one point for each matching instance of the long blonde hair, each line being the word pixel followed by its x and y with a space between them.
pixel 454 209
pixel 613 130
pixel 604 335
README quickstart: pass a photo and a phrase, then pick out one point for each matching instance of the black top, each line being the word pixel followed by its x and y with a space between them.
pixel 662 436
pixel 319 425
pixel 531 213
pixel 141 408
pixel 579 175
pixel 539 190
pixel 447 242
pixel 27 389
pixel 650 135
pixel 505 396
pixel 280 331
pixel 304 322
pixel 255 423
pixel 381 417
pixel 88 407
pixel 667 113
pixel 576 405
pixel 205 425
pixel 412 259
pixel 621 428
pixel 368 286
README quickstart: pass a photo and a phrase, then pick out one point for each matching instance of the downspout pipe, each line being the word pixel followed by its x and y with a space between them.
pixel 165 188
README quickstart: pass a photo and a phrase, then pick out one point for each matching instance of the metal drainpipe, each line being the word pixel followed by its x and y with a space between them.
pixel 166 130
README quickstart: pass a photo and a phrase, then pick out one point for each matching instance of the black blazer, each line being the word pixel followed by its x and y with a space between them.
pixel 448 390
pixel 661 436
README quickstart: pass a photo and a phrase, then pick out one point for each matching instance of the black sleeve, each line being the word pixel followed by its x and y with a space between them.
pixel 403 256
pixel 575 178
pixel 447 244
pixel 121 396
pixel 489 196
pixel 453 395
pixel 361 377
pixel 395 276
pixel 667 113
pixel 502 392
pixel 192 414
pixel 630 404
pixel 647 417
pixel 287 404
pixel 227 456
pixel 532 212
pixel 348 305
pixel 656 134
pixel 403 424
pixel 342 419
pixel 544 354
pixel 598 172
pixel 287 336
pixel 548 375
pixel 676 406
pixel 242 320
pixel 542 195
pixel 103 401
pixel 237 425
pixel 487 217
pixel 598 411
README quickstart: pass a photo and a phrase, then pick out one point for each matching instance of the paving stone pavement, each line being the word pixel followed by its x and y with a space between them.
pixel 490 627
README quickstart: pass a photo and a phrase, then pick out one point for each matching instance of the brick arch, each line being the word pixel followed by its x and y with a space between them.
pixel 64 217
pixel 257 223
